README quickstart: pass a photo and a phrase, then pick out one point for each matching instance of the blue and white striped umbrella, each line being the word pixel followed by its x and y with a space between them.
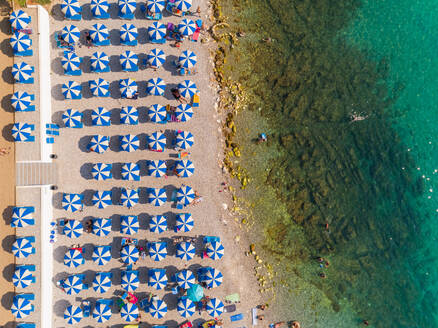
pixel 21 100
pixel 72 118
pixel 129 143
pixel 129 60
pixel 156 87
pixel 187 59
pixel 101 283
pixel 73 285
pixel 101 255
pixel 129 197
pixel 157 31
pixel 186 308
pixel 129 224
pixel 102 312
pixel 213 278
pixel 129 115
pixel 22 278
pixel 73 229
pixel 19 19
pixel 70 61
pixel 99 87
pixel 73 314
pixel 22 248
pixel 215 307
pixel 101 171
pixel 157 251
pixel 127 86
pixel 129 254
pixel 158 309
pixel 215 250
pixel 129 312
pixel 127 7
pixel 187 27
pixel 130 280
pixel 21 131
pixel 185 195
pixel 101 116
pixel 99 144
pixel 99 7
pixel 22 216
pixel 187 88
pixel 183 5
pixel 71 90
pixel 184 222
pixel 155 6
pixel 72 202
pixel 99 61
pixel 185 279
pixel 158 223
pixel 70 8
pixel 73 258
pixel 184 168
pixel 99 32
pixel 185 251
pixel 130 172
pixel 102 227
pixel 21 307
pixel 70 34
pixel 183 112
pixel 157 278
pixel 102 199
pixel 128 32
pixel 184 139
pixel 20 42
pixel 156 57
pixel 157 113
pixel 157 196
pixel 157 141
pixel 22 71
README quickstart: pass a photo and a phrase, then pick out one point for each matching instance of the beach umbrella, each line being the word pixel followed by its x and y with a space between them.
pixel 215 307
pixel 157 196
pixel 129 224
pixel 22 248
pixel 157 278
pixel 22 71
pixel 22 278
pixel 70 34
pixel 129 254
pixel 73 314
pixel 157 31
pixel 101 227
pixel 101 171
pixel 129 60
pixel 22 216
pixel 101 312
pixel 130 280
pixel 19 19
pixel 155 6
pixel 20 42
pixel 73 258
pixel 128 33
pixel 102 199
pixel 21 307
pixel 184 168
pixel 187 59
pixel 99 7
pixel 129 312
pixel 184 222
pixel 183 112
pixel 72 285
pixel 185 279
pixel 101 116
pixel 71 90
pixel 184 139
pixel 21 100
pixel 183 5
pixel 157 251
pixel 72 118
pixel 99 32
pixel 157 141
pixel 70 8
pixel 185 251
pixel 21 131
pixel 156 57
pixel 127 87
pixel 70 61
pixel 157 113
pixel 195 293
pixel 101 255
pixel 213 278
pixel 158 308
pixel 99 144
pixel 99 61
pixel 129 115
pixel 187 27
pixel 99 87
pixel 73 229
pixel 129 197
pixel 130 172
pixel 156 87
pixel 187 88
pixel 158 223
pixel 185 195
pixel 215 250
pixel 186 308
pixel 129 142
pixel 127 7
pixel 101 283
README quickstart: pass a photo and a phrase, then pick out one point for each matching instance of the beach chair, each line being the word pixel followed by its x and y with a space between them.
pixel 86 308
pixel 29 267
pixel 31 239
pixel 108 302
pixel 236 317
pixel 73 73
pixel 160 41
pixel 132 43
pixel 126 16
pixel 29 297
pixel 103 16
pixel 195 100
pixel 102 43
pixel 26 325
pixel 26 53
pixel 195 36
pixel 209 239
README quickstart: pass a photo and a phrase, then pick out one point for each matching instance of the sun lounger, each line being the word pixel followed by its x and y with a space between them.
pixel 144 304
pixel 230 308
pixel 26 325
pixel 129 43
pixel 108 302
pixel 120 303
pixel 107 69
pixel 195 36
pixel 126 16
pixel 199 23
pixel 29 267
pixel 156 16
pixel 26 53
pixel 103 16
pixel 29 297
pixel 24 30
pixel 160 41
pixel 73 73
pixel 102 43
pixel 31 239
pixel 195 100
pixel 254 316
pixel 236 317
pixel 134 69
pixel 76 17
pixel 28 81
pixel 209 239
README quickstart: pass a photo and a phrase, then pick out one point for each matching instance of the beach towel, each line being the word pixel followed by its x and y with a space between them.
pixel 254 316
pixel 233 298
pixel 236 317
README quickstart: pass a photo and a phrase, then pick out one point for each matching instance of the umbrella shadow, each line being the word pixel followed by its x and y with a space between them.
pixel 115 116
pixel 143 195
pixel 59 253
pixel 6 49
pixel 113 10
pixel 171 164
pixel 142 137
pixel 57 200
pixel 86 117
pixel 59 307
pixel 7 75
pixel 116 193
pixel 142 35
pixel 8 272
pixel 168 91
pixel 170 138
pixel 114 143
pixel 57 13
pixel 88 251
pixel 7 132
pixel 143 114
pixel 6 104
pixel 57 92
pixel 5 25
pixel 57 119
pixel 86 64
pixel 169 64
pixel 142 89
pixel 114 36
pixel 7 214
pixel 56 66
pixel 83 143
pixel 115 89
pixel 171 301
pixel 115 219
pixel 88 197
pixel 86 91
pixel 171 220
pixel 86 12
pixel 143 165
pixel 7 299
pixel 143 219
pixel 85 171
pixel 114 62
pixel 117 170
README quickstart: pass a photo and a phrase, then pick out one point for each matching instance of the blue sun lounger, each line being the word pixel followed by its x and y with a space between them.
pixel 103 16
pixel 26 325
pixel 236 317
pixel 160 41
